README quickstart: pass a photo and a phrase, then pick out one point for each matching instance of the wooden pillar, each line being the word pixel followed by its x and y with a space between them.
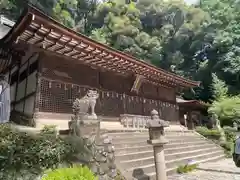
pixel 124 103
pixel 36 107
pixel 189 120
pixel 17 84
pixel 26 85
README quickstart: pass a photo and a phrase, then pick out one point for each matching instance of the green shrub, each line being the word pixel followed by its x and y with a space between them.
pixel 230 136
pixel 73 173
pixel 21 152
pixel 209 133
pixel 228 147
pixel 49 129
pixel 229 128
pixel 214 134
pixel 119 176
pixel 227 109
pixel 186 168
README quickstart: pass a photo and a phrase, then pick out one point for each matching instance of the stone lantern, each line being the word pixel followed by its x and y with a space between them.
pixel 157 139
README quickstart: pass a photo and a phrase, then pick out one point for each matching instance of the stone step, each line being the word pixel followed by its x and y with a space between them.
pixel 171 159
pixel 168 151
pixel 134 154
pixel 170 148
pixel 145 133
pixel 140 142
pixel 169 138
pixel 146 136
pixel 171 171
pixel 172 165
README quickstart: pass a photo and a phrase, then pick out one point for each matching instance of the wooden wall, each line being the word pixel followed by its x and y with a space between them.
pixel 23 83
pixel 63 81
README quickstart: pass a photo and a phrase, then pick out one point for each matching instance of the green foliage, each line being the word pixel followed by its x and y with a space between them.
pixel 224 106
pixel 230 135
pixel 229 129
pixel 119 176
pixel 219 88
pixel 50 129
pixel 214 134
pixel 62 12
pixel 186 168
pixel 227 109
pixel 228 148
pixel 73 173
pixel 209 133
pixel 31 154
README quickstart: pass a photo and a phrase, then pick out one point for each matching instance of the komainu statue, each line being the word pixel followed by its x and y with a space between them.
pixel 85 125
pixel 86 103
pixel 83 109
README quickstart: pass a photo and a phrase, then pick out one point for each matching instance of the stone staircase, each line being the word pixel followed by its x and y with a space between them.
pixel 134 157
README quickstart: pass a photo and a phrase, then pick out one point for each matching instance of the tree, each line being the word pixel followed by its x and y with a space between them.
pixel 220 89
pixel 224 33
pixel 85 21
pixel 64 12
pixel 227 108
pixel 12 8
pixel 61 10
pixel 155 31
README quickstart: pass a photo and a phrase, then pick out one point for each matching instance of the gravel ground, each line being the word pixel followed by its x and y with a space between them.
pixel 220 170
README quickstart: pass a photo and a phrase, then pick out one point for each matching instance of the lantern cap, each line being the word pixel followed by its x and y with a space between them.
pixel 154 112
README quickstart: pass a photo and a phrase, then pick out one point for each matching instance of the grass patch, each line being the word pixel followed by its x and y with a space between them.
pixel 182 169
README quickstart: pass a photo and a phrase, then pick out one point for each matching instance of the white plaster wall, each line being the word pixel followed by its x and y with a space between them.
pixel 19 107
pixel 13 91
pixel 13 87
pixel 7 76
pixel 29 105
pixel 21 90
pixel 23 68
pixel 32 83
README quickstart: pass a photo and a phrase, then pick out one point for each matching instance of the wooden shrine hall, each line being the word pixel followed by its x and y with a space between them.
pixel 195 112
pixel 50 65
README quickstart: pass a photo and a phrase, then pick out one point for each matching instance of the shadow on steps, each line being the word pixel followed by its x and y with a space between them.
pixel 139 174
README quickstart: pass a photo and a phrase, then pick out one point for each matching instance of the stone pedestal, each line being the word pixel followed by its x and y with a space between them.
pixel 157 140
pixel 160 162
pixel 159 157
pixel 87 127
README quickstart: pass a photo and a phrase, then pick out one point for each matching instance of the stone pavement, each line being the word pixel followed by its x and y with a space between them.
pixel 220 170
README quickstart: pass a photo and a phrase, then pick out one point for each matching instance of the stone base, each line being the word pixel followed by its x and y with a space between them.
pixel 138 121
pixel 134 121
pixel 89 128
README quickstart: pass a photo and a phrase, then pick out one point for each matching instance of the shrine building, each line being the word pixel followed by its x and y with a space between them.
pixel 49 65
